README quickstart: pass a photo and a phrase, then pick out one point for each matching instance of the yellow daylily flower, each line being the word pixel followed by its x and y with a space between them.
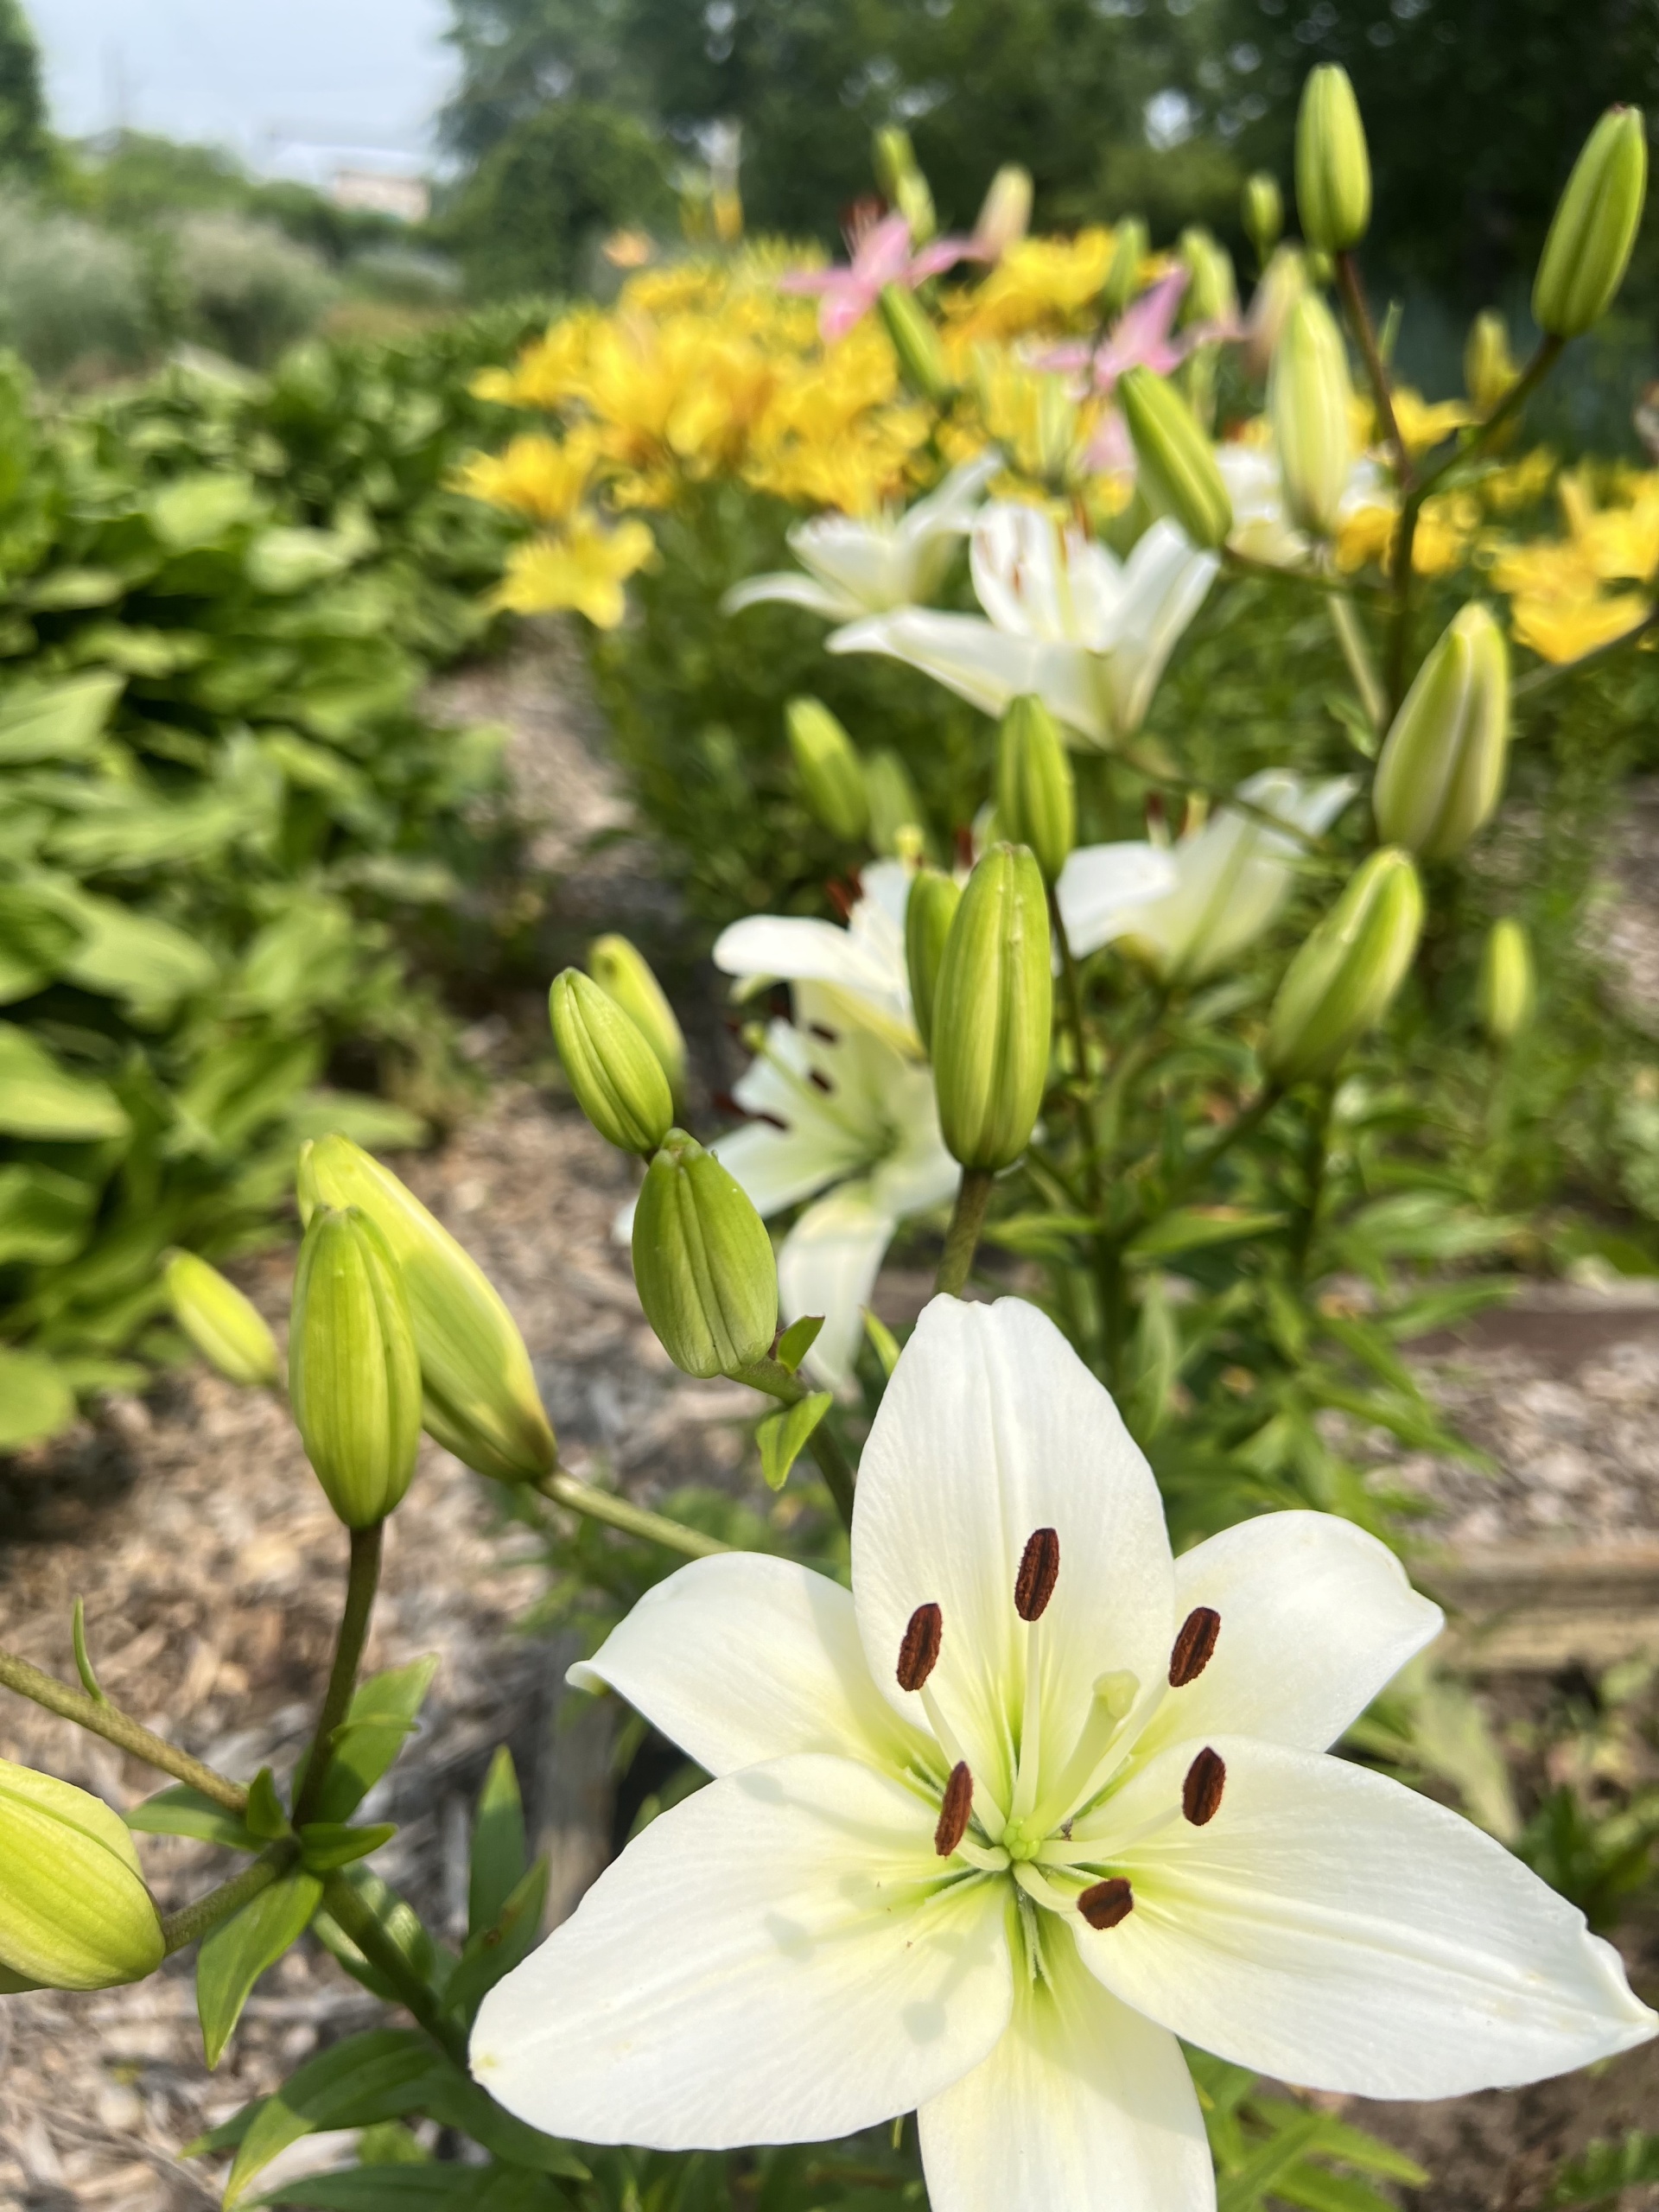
pixel 541 477
pixel 1563 629
pixel 584 568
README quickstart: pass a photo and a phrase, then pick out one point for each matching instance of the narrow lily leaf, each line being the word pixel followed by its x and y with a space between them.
pixel 797 1340
pixel 266 1818
pixel 1256 2177
pixel 407 2188
pixel 84 1665
pixel 383 1715
pixel 327 1845
pixel 1316 2189
pixel 494 1951
pixel 457 2102
pixel 234 1956
pixel 782 1436
pixel 1353 2146
pixel 498 1847
pixel 366 2078
pixel 883 1343
pixel 400 1921
pixel 183 1811
pixel 1191 1229
pixel 1603 2169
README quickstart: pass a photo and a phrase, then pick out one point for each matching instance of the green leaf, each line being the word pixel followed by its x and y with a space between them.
pixel 1245 2188
pixel 382 1716
pixel 1191 1228
pixel 265 1816
pixel 399 1922
pixel 797 1340
pixel 234 1956
pixel 326 1846
pixel 407 2188
pixel 883 1343
pixel 494 1951
pixel 456 2101
pixel 35 1400
pixel 1603 2169
pixel 38 1098
pixel 183 1811
pixel 499 1851
pixel 66 590
pixel 36 941
pixel 56 722
pixel 1352 2146
pixel 44 1215
pixel 282 561
pixel 378 2076
pixel 197 510
pixel 782 1436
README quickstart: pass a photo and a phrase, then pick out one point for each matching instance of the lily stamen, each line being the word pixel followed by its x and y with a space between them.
pixel 1039 1570
pixel 1195 1646
pixel 918 1654
pixel 1107 1903
pixel 1201 1792
pixel 955 1810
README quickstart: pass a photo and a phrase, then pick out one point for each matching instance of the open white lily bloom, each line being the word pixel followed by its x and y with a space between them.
pixel 1261 529
pixel 1232 879
pixel 988 1835
pixel 860 971
pixel 1087 633
pixel 850 568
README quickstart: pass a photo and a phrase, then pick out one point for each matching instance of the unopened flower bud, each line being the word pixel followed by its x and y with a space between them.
pixel 1309 398
pixel 1508 989
pixel 929 911
pixel 831 774
pixel 900 175
pixel 354 1373
pixel 992 1011
pixel 481 1402
pixel 1212 288
pixel 1129 245
pixel 225 1328
pixel 1440 770
pixel 1177 463
pixel 618 1080
pixel 1489 367
pixel 1594 226
pixel 921 357
pixel 1333 169
pixel 702 1262
pixel 74 1913
pixel 1036 796
pixel 1345 975
pixel 896 823
pixel 1283 282
pixel 623 973
pixel 1006 215
pixel 1263 213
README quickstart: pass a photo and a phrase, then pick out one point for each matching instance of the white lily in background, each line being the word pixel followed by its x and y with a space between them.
pixel 987 1834
pixel 856 566
pixel 1232 878
pixel 1087 633
pixel 1261 530
pixel 860 969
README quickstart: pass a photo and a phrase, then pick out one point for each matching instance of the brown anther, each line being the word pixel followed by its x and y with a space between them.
pixel 1195 1646
pixel 963 839
pixel 1201 1792
pixel 1039 1570
pixel 819 1081
pixel 953 1813
pixel 842 899
pixel 919 1654
pixel 1107 1903
pixel 824 1036
pixel 726 1104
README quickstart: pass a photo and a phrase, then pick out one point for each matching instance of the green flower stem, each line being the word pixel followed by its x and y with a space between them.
pixel 1376 373
pixel 362 1581
pixel 1316 1161
pixel 961 1239
pixel 1357 651
pixel 100 1719
pixel 191 1921
pixel 778 1381
pixel 1109 1264
pixel 562 1488
pixel 355 1919
pixel 1540 679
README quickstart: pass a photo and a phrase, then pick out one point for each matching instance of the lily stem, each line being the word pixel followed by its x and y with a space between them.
pixel 99 1717
pixel 562 1488
pixel 961 1239
pixel 356 1919
pixel 191 1921
pixel 363 1579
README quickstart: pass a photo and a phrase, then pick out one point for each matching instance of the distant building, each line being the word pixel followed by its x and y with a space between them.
pixel 380 192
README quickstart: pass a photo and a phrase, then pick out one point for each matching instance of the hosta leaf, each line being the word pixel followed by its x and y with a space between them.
pixel 38 1098
pixel 36 1399
pixel 56 722
pixel 44 1215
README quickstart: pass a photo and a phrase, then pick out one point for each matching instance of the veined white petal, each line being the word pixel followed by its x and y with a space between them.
pixel 1101 889
pixel 1333 1927
pixel 778 1167
pixel 743 1657
pixel 1164 583
pixel 773 1961
pixel 828 1264
pixel 987 666
pixel 794 948
pixel 1316 1616
pixel 1082 2103
pixel 1018 560
pixel 790 589
pixel 991 1428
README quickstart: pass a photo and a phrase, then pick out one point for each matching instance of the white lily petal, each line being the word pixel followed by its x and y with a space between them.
pixel 828 1264
pixel 1316 1616
pixel 1083 2102
pixel 787 588
pixel 1019 566
pixel 1333 1927
pixel 862 563
pixel 991 1428
pixel 744 1657
pixel 773 1961
pixel 780 1167
pixel 1164 583
pixel 794 948
pixel 948 512
pixel 1101 889
pixel 985 665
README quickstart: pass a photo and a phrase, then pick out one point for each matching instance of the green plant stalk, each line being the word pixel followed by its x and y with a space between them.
pixel 562 1488
pixel 1316 1160
pixel 354 1918
pixel 778 1381
pixel 961 1239
pixel 1108 1266
pixel 102 1719
pixel 1540 679
pixel 363 1579
pixel 1197 1168
pixel 1376 371
pixel 191 1921
pixel 1357 651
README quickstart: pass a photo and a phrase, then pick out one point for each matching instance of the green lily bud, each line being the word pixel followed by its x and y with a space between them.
pixel 74 1913
pixel 1005 216
pixel 354 1373
pixel 481 1402
pixel 1507 989
pixel 1263 213
pixel 1594 226
pixel 992 1007
pixel 1212 288
pixel 1441 767
pixel 1130 242
pixel 1308 399
pixel 225 1328
pixel 1333 168
pixel 1036 797
pixel 921 357
pixel 1489 367
pixel 895 812
pixel 900 175
pixel 1177 463
pixel 618 1079
pixel 929 911
pixel 702 1262
pixel 623 973
pixel 1345 977
pixel 831 774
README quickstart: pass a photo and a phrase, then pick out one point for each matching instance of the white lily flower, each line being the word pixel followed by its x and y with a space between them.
pixel 1232 879
pixel 1261 529
pixel 860 971
pixel 987 1834
pixel 853 568
pixel 1087 633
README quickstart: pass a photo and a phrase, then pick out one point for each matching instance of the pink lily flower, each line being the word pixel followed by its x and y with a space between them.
pixel 880 256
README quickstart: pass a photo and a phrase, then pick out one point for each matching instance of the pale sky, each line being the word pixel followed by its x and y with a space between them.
pixel 287 84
